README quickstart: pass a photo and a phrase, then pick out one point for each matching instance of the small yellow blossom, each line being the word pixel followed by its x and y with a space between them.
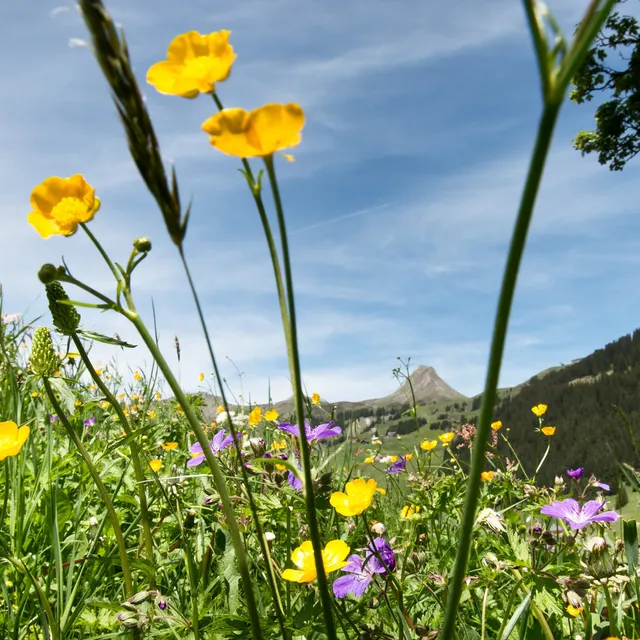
pixel 201 377
pixel 156 465
pixel 427 445
pixel 169 446
pixel 369 460
pixel 539 409
pixel 158 395
pixel 195 62
pixel 279 444
pixel 409 456
pixel 104 404
pixel 333 558
pixel 12 439
pixel 357 497
pixel 574 611
pixel 393 459
pixel 92 387
pixel 548 431
pixel 179 408
pixel 151 414
pixel 78 403
pixel 121 396
pixel 496 426
pixel 315 398
pixel 98 372
pixel 57 373
pixel 377 442
pixel 136 375
pixel 280 467
pixel 409 511
pixel 261 132
pixel 271 415
pixel 446 438
pixel 61 204
pixel 485 476
pixel 255 417
pixel 34 394
pixel 220 408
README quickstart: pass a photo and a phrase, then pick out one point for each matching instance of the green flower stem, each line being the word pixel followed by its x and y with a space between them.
pixel 211 461
pixel 518 240
pixel 102 490
pixel 271 577
pixel 103 253
pixel 296 379
pixel 539 616
pixel 613 627
pixel 135 454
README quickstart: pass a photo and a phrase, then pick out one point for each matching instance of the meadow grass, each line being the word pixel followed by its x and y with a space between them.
pixel 127 510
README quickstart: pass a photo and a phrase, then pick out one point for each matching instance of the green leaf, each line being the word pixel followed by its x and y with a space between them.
pixel 64 394
pixel 517 614
pixel 99 337
pixel 630 535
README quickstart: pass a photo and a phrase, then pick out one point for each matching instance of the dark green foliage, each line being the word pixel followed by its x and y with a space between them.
pixel 612 68
pixel 581 399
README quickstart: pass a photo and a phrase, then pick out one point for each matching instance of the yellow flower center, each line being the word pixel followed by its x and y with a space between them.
pixel 200 69
pixel 68 212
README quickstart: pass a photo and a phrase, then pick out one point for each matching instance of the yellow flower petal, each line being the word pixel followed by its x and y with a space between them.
pixel 169 446
pixel 496 426
pixel 315 398
pixel 548 431
pixel 60 204
pixel 357 497
pixel 271 415
pixel 539 409
pixel 156 465
pixel 427 445
pixel 261 132
pixel 195 62
pixel 485 476
pixel 446 438
pixel 12 439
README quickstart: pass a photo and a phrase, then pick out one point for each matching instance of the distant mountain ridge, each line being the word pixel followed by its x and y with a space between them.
pixel 427 385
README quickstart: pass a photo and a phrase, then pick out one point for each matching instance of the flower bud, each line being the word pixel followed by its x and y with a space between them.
pixel 65 317
pixel 131 620
pixel 48 273
pixel 43 360
pixel 142 244
pixel 139 598
pixel 161 601
pixel 257 447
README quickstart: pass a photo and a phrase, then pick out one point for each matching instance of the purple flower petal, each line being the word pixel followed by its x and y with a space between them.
pixel 196 460
pixel 195 448
pixel 322 431
pixel 576 474
pixel 398 466
pixel 385 552
pixel 289 428
pixel 577 518
pixel 294 481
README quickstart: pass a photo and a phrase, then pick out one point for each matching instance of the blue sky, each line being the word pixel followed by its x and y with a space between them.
pixel 400 205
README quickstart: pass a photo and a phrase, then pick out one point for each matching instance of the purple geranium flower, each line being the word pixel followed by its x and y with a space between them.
pixel 399 465
pixel 89 422
pixel 220 441
pixel 53 417
pixel 294 481
pixel 320 432
pixel 576 474
pixel 362 570
pixel 578 517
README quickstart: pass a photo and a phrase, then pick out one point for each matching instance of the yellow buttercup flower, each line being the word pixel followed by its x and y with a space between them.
pixel 220 409
pixel 158 395
pixel 539 409
pixel 195 62
pixel 409 456
pixel 201 377
pixel 485 476
pixel 255 416
pixel 152 414
pixel 34 394
pixel 121 396
pixel 548 431
pixel 409 511
pixel 574 611
pixel 270 415
pixel 369 460
pixel 12 439
pixel 496 426
pixel 261 132
pixel 446 438
pixel 393 459
pixel 357 497
pixel 169 446
pixel 98 372
pixel 333 558
pixel 315 398
pixel 427 445
pixel 61 204
pixel 377 442
pixel 279 444
pixel 156 465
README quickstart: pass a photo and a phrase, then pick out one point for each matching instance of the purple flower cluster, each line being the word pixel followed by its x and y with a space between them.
pixel 220 441
pixel 398 466
pixel 361 571
pixel 313 434
pixel 89 422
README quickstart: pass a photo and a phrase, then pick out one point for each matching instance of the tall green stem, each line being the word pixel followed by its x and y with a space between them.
pixel 518 240
pixel 102 490
pixel 264 548
pixel 135 454
pixel 221 486
pixel 296 378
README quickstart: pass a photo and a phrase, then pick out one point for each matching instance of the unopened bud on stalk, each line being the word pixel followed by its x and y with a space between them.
pixel 142 244
pixel 65 317
pixel 139 598
pixel 43 360
pixel 48 273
